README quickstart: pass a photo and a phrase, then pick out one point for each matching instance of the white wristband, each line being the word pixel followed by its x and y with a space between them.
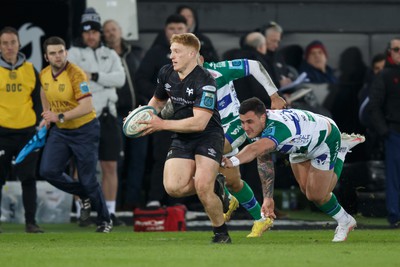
pixel 235 161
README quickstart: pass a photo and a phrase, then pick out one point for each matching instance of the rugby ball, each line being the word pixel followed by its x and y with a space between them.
pixel 131 127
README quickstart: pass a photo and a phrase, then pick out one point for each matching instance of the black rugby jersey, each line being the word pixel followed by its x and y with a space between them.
pixel 198 89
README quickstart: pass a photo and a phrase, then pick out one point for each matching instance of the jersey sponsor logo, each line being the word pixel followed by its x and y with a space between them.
pixel 189 91
pixel 167 87
pixel 84 87
pixel 289 113
pixel 220 64
pixel 60 105
pixel 224 102
pixel 236 130
pixel 301 139
pixel 61 88
pixel 207 100
pixel 180 100
pixel 209 88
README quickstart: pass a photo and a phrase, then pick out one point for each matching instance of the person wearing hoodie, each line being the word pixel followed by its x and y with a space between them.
pixel 105 73
pixel 385 119
pixel 146 80
pixel 20 109
pixel 207 49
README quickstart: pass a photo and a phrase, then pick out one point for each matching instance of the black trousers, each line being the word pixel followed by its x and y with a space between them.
pixel 11 142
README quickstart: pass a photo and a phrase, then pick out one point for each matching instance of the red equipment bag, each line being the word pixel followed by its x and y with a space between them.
pixel 163 219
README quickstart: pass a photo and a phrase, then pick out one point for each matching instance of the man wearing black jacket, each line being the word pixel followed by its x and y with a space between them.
pixel 207 49
pixel 385 118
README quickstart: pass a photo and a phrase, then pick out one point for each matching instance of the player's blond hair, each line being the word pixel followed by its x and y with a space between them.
pixel 186 39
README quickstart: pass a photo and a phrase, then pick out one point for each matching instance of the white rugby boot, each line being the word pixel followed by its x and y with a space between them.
pixel 351 140
pixel 342 230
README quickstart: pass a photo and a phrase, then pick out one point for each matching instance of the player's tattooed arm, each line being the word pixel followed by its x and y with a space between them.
pixel 266 172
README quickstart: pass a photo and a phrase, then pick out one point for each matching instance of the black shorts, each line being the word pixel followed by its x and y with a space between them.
pixel 110 139
pixel 210 145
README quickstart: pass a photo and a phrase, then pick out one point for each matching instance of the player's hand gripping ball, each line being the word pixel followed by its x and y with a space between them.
pixel 131 127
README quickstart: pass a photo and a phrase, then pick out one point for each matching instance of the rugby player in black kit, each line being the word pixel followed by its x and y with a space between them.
pixel 196 150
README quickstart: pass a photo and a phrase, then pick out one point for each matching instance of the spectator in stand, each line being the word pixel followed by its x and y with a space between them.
pixel 253 46
pixel 132 162
pixel 374 145
pixel 316 64
pixel 104 70
pixel 20 109
pixel 385 118
pixel 278 69
pixel 207 49
pixel 146 80
pixel 377 65
pixel 352 69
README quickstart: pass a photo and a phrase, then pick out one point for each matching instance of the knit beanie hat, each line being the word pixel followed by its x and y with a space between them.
pixel 315 44
pixel 90 20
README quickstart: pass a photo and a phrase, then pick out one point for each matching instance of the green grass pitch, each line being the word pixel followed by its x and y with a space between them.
pixel 69 245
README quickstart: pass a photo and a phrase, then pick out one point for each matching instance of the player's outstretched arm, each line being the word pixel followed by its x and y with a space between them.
pixel 250 152
pixel 261 75
pixel 266 173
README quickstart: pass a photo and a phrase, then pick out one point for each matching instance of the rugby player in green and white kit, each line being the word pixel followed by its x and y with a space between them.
pixel 316 151
pixel 224 73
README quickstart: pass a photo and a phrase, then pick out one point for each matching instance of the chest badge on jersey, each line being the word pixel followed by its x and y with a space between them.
pixel 189 91
pixel 12 75
pixel 61 88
